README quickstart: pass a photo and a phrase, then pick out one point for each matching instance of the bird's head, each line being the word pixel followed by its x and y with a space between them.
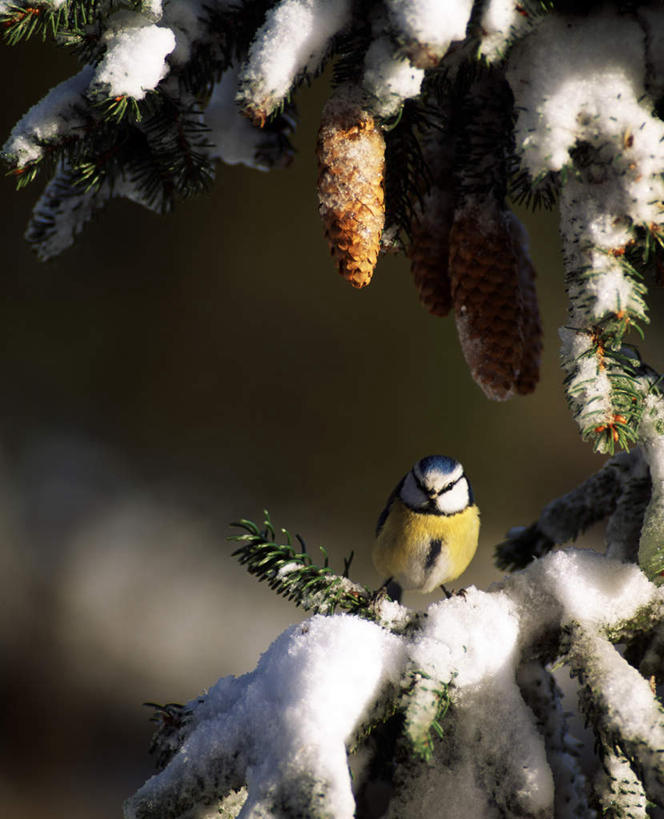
pixel 436 484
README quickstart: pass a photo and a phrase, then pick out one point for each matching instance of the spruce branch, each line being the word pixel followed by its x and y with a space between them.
pixel 536 194
pixel 543 696
pixel 407 175
pixel 564 519
pixel 425 703
pixel 293 574
pixel 496 95
pixel 21 20
pixel 463 686
pixel 629 490
pixel 619 792
pixel 62 211
pixel 626 717
pixel 171 719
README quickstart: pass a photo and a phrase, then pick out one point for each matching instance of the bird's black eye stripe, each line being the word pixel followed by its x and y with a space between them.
pixel 423 489
pixel 454 483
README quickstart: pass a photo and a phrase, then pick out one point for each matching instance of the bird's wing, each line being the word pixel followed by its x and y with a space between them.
pixel 386 511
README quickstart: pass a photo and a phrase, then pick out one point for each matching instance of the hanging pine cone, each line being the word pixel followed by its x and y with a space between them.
pixel 351 159
pixel 494 300
pixel 429 251
pixel 532 325
pixel 433 204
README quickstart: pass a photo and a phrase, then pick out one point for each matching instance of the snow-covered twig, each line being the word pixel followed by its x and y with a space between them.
pixel 500 742
pixel 619 492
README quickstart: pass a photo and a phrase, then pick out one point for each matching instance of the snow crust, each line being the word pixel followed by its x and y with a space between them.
pixel 295 712
pixel 388 78
pixel 589 588
pixel 430 22
pixel 491 626
pixel 59 113
pixel 581 80
pixel 292 40
pixel 500 23
pixel 135 59
pixel 493 719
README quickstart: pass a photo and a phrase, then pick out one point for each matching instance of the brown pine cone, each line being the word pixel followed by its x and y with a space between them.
pixel 351 159
pixel 494 300
pixel 532 324
pixel 429 251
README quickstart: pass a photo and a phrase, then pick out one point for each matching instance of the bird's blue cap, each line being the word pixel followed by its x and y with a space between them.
pixel 439 463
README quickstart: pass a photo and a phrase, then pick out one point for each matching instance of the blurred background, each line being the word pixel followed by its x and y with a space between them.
pixel 169 375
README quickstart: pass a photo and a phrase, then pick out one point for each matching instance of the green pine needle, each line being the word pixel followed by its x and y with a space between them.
pixel 294 575
pixel 117 108
pixel 426 706
pixel 20 21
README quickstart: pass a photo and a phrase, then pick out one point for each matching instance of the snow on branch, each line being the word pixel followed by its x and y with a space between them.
pixel 290 44
pixel 628 491
pixel 619 492
pixel 134 61
pixel 427 28
pixel 456 708
pixel 584 114
pixel 524 97
pixel 232 137
pixel 438 110
pixel 619 703
pixel 58 117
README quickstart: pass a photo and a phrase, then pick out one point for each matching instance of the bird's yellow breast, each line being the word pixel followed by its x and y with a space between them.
pixel 422 551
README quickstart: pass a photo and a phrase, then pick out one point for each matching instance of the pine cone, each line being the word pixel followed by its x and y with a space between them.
pixel 532 325
pixel 351 159
pixel 494 300
pixel 430 249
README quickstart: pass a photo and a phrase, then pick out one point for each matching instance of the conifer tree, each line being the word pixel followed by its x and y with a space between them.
pixel 439 115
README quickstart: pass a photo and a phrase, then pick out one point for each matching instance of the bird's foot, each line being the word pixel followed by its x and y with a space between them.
pixel 448 594
pixel 391 589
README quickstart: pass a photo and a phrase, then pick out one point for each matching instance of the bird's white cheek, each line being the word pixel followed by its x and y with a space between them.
pixel 455 499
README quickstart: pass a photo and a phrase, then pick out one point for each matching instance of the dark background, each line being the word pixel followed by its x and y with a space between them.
pixel 168 375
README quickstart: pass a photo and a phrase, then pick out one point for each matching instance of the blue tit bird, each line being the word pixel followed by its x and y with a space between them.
pixel 428 531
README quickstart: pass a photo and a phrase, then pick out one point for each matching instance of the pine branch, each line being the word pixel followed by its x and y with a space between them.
pixel 536 194
pixel 565 518
pixel 425 702
pixel 543 696
pixel 631 725
pixel 351 46
pixel 618 790
pixel 172 720
pixel 21 20
pixel 450 689
pixel 62 211
pixel 407 176
pixel 293 575
pixel 484 150
pixel 179 147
